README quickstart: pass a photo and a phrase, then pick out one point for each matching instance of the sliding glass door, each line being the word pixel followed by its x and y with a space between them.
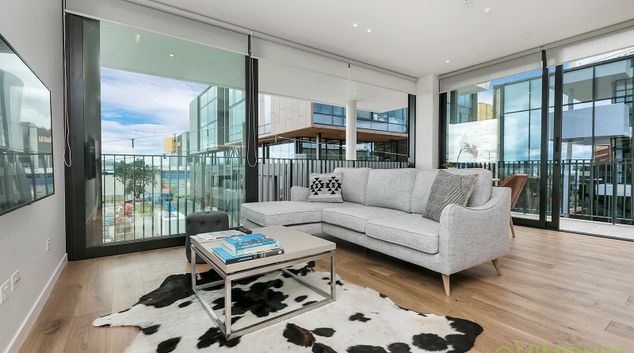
pixel 573 139
pixel 497 125
pixel 596 145
pixel 157 127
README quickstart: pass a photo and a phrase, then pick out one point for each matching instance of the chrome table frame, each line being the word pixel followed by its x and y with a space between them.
pixel 227 279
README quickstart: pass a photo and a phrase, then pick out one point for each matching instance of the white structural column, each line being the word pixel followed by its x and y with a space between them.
pixel 427 117
pixel 351 130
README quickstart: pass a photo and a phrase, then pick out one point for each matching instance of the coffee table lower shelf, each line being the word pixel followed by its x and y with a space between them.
pixel 227 279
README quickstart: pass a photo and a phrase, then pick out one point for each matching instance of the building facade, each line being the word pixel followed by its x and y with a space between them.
pixel 299 128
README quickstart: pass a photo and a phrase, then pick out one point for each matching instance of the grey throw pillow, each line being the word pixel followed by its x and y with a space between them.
pixel 448 189
pixel 325 188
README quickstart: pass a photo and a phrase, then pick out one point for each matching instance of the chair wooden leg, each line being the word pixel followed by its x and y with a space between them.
pixel 512 228
pixel 446 284
pixel 496 264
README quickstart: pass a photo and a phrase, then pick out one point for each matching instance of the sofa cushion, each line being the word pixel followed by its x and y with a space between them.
pixel 284 212
pixel 422 189
pixel 354 216
pixel 409 230
pixel 325 188
pixel 390 188
pixel 354 182
pixel 482 191
pixel 448 189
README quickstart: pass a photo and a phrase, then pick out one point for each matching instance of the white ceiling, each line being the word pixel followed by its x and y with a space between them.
pixel 416 37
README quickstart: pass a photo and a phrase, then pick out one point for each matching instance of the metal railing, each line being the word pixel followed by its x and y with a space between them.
pixel 277 176
pixel 596 190
pixel 147 196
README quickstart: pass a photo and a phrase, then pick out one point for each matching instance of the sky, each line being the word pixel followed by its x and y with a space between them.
pixel 146 107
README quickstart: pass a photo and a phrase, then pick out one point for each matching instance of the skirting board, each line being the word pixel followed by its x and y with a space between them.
pixel 29 321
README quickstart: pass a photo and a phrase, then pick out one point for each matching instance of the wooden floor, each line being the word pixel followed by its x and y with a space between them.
pixel 557 289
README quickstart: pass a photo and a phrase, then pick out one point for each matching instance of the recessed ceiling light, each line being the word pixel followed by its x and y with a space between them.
pixel 171 55
pixel 355 25
pixel 369 30
pixel 447 61
pixel 487 10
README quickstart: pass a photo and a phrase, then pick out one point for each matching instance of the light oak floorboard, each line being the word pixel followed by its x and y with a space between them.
pixel 557 289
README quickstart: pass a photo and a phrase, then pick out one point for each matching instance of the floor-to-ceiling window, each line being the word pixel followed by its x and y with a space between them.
pixel 164 120
pixel 596 144
pixel 497 124
pixel 302 124
pixel 293 133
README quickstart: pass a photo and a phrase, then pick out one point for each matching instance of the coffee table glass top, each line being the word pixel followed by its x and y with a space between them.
pixel 296 244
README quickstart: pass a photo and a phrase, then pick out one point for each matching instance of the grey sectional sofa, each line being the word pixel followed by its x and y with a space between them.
pixel 382 211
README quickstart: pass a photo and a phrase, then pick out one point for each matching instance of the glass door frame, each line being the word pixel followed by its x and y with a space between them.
pixel 544 172
pixel 556 159
pixel 542 222
pixel 86 158
pixel 551 174
pixel 557 173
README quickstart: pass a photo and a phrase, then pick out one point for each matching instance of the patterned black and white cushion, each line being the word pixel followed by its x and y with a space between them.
pixel 325 188
pixel 448 189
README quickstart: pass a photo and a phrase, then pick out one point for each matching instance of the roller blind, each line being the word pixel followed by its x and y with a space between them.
pixel 597 42
pixel 493 70
pixel 591 45
pixel 153 20
pixel 293 57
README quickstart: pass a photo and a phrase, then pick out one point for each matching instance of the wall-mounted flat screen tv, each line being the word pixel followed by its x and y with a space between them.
pixel 26 142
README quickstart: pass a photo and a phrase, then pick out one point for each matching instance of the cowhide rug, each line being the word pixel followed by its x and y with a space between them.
pixel 360 320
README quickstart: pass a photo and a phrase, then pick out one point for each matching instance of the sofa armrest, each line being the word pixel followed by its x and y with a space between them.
pixel 470 236
pixel 299 193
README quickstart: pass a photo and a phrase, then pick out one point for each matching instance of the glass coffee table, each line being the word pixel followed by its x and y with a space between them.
pixel 299 247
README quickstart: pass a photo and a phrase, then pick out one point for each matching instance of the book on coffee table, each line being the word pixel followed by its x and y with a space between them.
pixel 248 244
pixel 225 256
pixel 211 236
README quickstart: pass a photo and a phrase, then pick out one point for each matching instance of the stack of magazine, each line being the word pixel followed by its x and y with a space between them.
pixel 246 247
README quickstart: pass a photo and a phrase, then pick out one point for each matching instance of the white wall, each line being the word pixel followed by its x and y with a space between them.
pixel 34 29
pixel 427 122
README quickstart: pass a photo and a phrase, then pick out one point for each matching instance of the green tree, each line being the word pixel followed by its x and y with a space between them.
pixel 135 176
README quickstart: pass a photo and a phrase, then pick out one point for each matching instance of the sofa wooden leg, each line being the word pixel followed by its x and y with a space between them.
pixel 512 228
pixel 496 264
pixel 446 284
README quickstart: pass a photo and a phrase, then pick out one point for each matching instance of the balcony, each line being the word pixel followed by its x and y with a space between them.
pixel 149 196
pixel 591 190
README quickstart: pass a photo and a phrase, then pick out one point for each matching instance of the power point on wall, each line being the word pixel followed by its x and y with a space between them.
pixel 49 244
pixel 5 291
pixel 16 278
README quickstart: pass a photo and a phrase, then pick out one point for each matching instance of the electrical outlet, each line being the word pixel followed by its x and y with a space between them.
pixel 15 280
pixel 49 244
pixel 5 291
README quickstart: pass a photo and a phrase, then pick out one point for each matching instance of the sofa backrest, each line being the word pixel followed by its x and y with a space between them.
pixel 353 183
pixel 425 179
pixel 390 188
pixel 422 188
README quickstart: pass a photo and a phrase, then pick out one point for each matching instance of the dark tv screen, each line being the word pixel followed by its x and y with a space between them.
pixel 26 142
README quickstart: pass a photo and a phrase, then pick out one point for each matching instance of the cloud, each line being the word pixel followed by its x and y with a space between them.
pixel 162 98
pixel 116 138
pixel 141 106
